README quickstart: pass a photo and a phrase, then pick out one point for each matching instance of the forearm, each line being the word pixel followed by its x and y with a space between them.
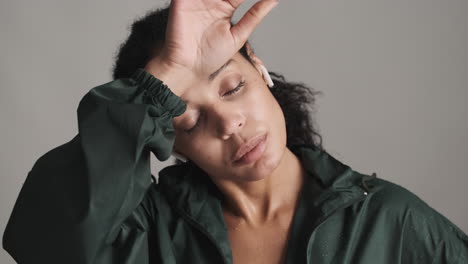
pixel 76 196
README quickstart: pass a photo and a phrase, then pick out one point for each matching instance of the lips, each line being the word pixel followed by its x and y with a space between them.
pixel 248 146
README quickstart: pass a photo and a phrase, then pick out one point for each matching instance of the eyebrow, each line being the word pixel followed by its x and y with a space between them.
pixel 218 71
pixel 212 76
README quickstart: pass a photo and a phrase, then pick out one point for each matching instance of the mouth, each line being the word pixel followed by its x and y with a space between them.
pixel 252 150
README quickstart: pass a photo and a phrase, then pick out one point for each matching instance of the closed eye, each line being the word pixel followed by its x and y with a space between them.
pixel 231 92
pixel 235 90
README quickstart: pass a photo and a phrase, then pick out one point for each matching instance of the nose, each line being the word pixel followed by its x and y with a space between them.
pixel 227 121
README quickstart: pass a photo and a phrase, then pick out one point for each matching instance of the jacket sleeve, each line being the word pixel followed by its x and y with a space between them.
pixel 76 198
pixel 452 248
pixel 428 236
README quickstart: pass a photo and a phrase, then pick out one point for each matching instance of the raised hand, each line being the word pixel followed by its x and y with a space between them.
pixel 199 36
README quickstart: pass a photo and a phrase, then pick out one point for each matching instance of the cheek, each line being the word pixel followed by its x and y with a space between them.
pixel 262 106
pixel 210 159
pixel 187 145
pixel 203 150
pixel 264 110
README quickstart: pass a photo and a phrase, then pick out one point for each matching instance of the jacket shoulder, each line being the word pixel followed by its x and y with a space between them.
pixel 424 230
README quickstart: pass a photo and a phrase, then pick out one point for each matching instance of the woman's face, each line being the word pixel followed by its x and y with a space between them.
pixel 220 118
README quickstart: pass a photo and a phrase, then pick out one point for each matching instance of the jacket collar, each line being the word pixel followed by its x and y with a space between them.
pixel 187 186
pixel 338 183
pixel 190 191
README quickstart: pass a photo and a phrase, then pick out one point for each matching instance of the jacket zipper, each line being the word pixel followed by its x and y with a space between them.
pixel 202 230
pixel 365 192
pixel 345 205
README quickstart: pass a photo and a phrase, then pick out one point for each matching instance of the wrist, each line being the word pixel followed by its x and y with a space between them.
pixel 175 77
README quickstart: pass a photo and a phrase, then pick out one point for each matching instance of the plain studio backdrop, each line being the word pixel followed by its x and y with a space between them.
pixel 394 78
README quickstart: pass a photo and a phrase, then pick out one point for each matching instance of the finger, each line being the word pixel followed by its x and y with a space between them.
pixel 234 3
pixel 247 24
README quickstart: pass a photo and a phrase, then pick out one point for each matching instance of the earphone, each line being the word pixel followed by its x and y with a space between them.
pixel 266 76
pixel 179 156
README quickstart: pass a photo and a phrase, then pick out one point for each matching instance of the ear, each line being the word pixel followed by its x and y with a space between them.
pixel 257 61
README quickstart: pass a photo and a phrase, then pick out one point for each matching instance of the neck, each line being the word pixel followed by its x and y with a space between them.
pixel 260 201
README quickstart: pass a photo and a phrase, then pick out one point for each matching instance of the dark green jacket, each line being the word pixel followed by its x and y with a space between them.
pixel 94 200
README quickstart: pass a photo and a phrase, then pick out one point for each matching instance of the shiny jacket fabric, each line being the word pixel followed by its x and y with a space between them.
pixel 93 199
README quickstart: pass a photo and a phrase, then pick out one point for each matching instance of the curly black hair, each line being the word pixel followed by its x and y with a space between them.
pixel 296 100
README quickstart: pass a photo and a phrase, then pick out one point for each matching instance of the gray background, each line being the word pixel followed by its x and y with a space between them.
pixel 393 74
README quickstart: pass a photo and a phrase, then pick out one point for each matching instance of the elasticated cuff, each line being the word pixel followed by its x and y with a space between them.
pixel 156 92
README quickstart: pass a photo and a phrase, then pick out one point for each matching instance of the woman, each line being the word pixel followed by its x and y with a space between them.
pixel 253 189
